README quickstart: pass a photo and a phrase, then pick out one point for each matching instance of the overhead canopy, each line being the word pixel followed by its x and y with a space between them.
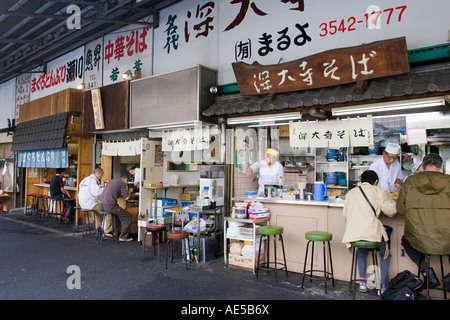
pixel 411 85
pixel 43 133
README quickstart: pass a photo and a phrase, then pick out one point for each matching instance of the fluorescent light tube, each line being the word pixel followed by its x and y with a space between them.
pixel 267 119
pixel 389 106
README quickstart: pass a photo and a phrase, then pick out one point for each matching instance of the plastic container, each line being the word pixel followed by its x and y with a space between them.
pixel 320 191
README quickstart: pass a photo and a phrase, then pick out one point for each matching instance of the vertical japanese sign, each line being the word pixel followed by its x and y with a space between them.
pixel 128 49
pixel 97 108
pixel 23 86
pixel 332 133
pixel 187 36
pixel 93 66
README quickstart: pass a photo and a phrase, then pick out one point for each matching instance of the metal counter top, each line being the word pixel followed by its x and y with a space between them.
pixel 296 202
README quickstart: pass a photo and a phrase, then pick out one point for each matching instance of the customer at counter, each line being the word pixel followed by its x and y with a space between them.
pixel 113 190
pixel 271 172
pixel 388 168
pixel 362 223
pixel 424 201
pixel 57 192
pixel 89 198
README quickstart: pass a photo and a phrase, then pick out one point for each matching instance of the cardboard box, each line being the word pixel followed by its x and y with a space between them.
pixel 243 262
pixel 188 196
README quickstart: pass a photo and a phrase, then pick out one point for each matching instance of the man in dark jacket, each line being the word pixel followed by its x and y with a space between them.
pixel 114 189
pixel 424 199
pixel 58 192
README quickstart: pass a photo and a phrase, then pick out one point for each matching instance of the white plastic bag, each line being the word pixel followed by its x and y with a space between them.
pixel 193 225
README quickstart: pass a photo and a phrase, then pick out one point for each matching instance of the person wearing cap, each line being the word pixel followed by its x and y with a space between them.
pixel 270 170
pixel 389 169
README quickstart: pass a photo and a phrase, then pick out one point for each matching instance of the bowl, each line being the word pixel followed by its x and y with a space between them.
pixel 342 182
pixel 331 178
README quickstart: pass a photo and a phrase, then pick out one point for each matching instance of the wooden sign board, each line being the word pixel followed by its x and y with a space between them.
pixel 98 109
pixel 329 68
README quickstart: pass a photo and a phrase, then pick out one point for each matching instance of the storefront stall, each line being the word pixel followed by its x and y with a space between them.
pixel 170 107
pixel 355 120
pixel 49 136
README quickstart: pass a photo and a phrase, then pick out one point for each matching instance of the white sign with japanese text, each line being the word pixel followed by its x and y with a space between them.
pixel 93 64
pixel 128 49
pixel 62 73
pixel 217 33
pixel 197 138
pixel 331 133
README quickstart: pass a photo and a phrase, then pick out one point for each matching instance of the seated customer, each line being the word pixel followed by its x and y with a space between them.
pixel 89 198
pixel 113 190
pixel 57 192
pixel 424 200
pixel 362 223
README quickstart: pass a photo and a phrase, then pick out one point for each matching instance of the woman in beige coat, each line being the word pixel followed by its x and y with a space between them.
pixel 362 223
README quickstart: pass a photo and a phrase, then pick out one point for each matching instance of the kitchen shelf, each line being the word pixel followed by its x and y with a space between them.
pixel 250 223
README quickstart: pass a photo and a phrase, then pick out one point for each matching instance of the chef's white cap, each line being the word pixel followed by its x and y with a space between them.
pixel 392 148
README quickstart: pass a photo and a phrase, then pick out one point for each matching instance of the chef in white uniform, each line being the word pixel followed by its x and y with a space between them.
pixel 388 168
pixel 270 170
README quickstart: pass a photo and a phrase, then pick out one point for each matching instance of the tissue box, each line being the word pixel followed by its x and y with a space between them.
pixel 262 215
pixel 253 210
pixel 161 202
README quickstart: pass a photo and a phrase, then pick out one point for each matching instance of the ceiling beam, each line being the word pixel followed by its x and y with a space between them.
pixel 65 17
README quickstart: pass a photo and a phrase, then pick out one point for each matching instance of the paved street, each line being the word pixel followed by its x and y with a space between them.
pixel 36 256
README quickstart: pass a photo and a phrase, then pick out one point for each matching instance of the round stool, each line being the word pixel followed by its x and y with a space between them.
pixel 76 225
pixel 324 237
pixel 427 280
pixel 180 223
pixel 101 231
pixel 273 231
pixel 37 198
pixel 46 205
pixel 171 237
pixel 56 208
pixel 30 208
pixel 362 244
pixel 156 231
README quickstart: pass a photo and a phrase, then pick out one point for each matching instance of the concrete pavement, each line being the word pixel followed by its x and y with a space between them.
pixel 44 261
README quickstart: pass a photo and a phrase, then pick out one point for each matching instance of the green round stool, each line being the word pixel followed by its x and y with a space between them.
pixel 368 245
pixel 325 238
pixel 274 231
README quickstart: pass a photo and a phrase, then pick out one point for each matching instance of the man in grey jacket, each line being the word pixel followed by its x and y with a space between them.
pixel 114 189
